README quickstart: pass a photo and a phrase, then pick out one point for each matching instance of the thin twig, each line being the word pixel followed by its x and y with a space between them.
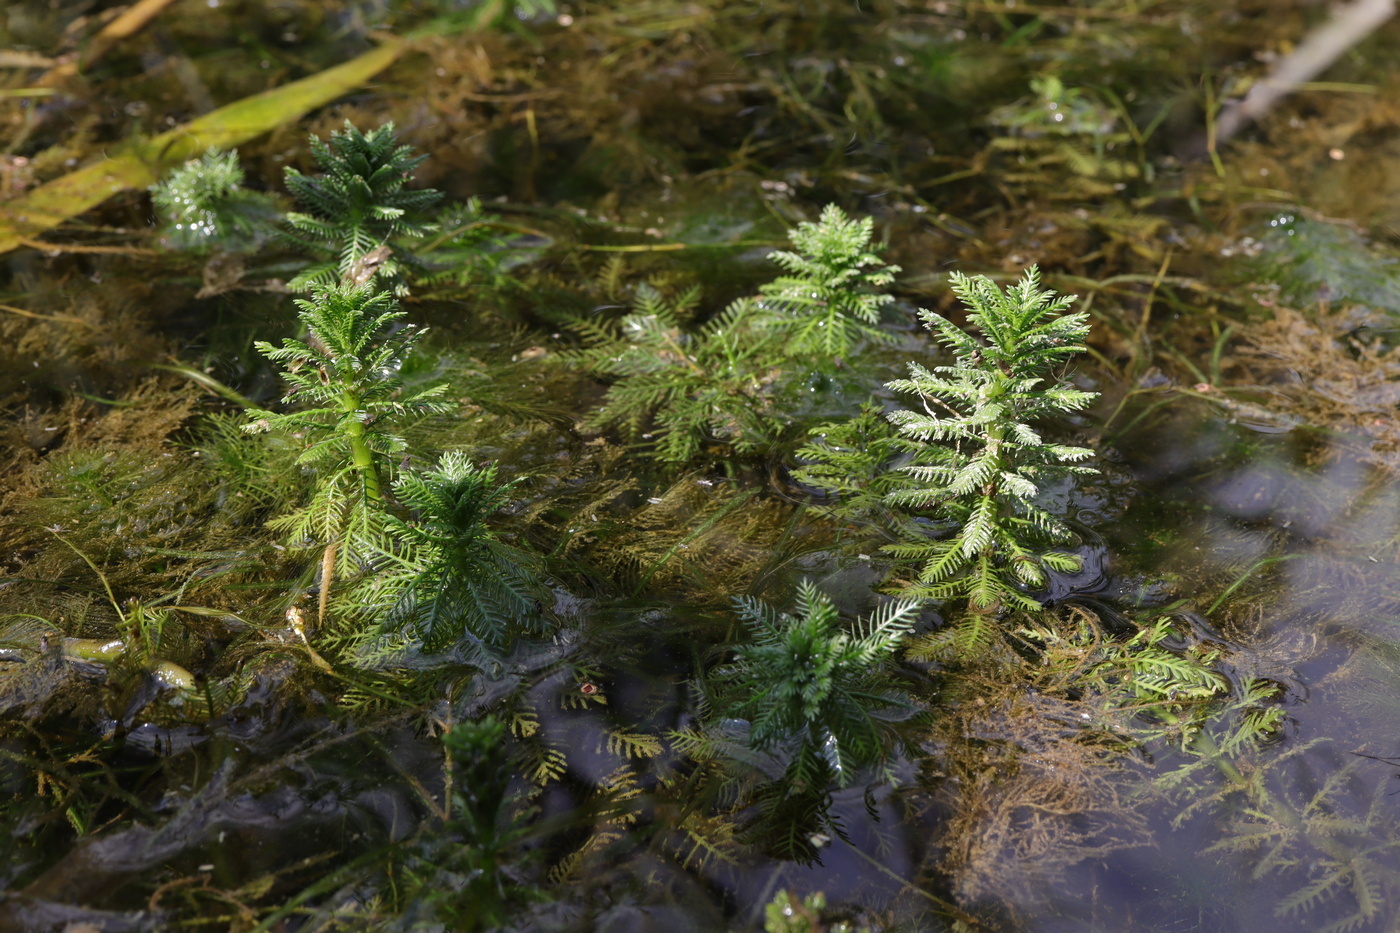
pixel 1348 26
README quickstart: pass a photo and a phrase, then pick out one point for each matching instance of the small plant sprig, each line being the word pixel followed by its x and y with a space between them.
pixel 805 680
pixel 679 389
pixel 204 206
pixel 356 206
pixel 831 297
pixel 735 379
pixel 345 377
pixel 814 693
pixel 450 579
pixel 468 878
pixel 973 463
pixel 787 913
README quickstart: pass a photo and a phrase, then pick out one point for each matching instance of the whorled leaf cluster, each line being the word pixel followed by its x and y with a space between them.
pixel 831 297
pixel 678 387
pixel 204 206
pixel 344 382
pixel 449 580
pixel 730 384
pixel 956 477
pixel 812 696
pixel 356 206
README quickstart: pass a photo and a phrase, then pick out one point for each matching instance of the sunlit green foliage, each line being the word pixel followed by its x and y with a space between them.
pixel 348 399
pixel 830 297
pixel 204 205
pixel 449 579
pixel 835 93
pixel 732 380
pixel 357 206
pixel 677 389
pixel 970 459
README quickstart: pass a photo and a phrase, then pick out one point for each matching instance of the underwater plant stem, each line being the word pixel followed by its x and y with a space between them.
pixel 684 357
pixel 1212 750
pixel 329 882
pixel 1276 808
pixel 111 597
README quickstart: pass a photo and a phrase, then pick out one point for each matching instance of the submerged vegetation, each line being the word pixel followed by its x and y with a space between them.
pixel 664 570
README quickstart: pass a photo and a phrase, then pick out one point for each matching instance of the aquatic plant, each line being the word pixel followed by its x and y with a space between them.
pixel 731 379
pixel 448 578
pixel 677 389
pixel 804 679
pixel 1298 810
pixel 1073 135
pixel 1165 680
pixel 345 378
pixel 830 297
pixel 959 475
pixel 1333 840
pixel 469 877
pixel 204 206
pixel 1034 776
pixel 356 206
pixel 815 697
pixel 466 247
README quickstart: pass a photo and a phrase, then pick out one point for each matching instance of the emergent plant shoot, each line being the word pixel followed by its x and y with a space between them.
pixel 357 205
pixel 831 297
pixel 967 456
pixel 345 377
pixel 814 693
pixel 451 580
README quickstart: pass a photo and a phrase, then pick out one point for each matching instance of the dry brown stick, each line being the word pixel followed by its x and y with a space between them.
pixel 1323 46
pixel 123 27
pixel 77 248
pixel 131 21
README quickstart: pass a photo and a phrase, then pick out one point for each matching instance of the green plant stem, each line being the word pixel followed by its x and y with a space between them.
pixel 360 453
